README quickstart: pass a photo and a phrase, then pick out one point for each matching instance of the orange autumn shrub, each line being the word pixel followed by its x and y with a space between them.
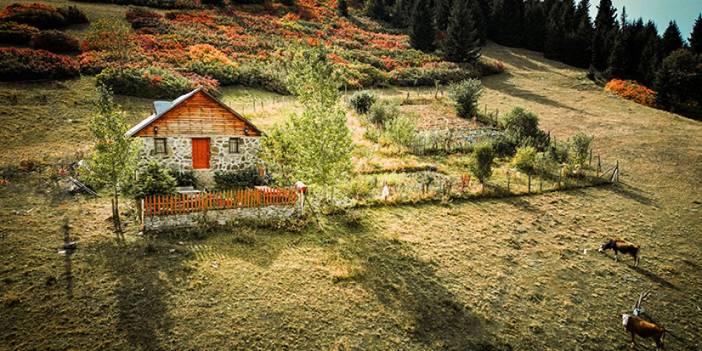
pixel 632 90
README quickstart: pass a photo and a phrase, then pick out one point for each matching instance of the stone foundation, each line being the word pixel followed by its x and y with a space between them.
pixel 217 217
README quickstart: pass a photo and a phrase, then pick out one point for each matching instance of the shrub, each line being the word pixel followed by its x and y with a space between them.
pixel 465 96
pixel 525 159
pixel 165 4
pixel 382 112
pixel 246 178
pixel 268 77
pixel 371 133
pixel 16 33
pixel 503 146
pixel 150 82
pixel 579 147
pixel 153 180
pixel 522 128
pixel 141 18
pixel 428 76
pixel 28 64
pixel 207 60
pixel 481 161
pixel 490 67
pixel 73 15
pixel 401 131
pixel 43 16
pixel 632 90
pixel 361 101
pixel 185 178
pixel 110 35
pixel 55 41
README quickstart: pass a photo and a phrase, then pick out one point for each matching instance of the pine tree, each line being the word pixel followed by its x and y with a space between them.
pixel 582 38
pixel 400 13
pixel 510 22
pixel 422 32
pixel 462 43
pixel 376 9
pixel 342 8
pixel 650 56
pixel 555 34
pixel 534 26
pixel 442 13
pixel 696 36
pixel 672 40
pixel 480 21
pixel 619 58
pixel 605 33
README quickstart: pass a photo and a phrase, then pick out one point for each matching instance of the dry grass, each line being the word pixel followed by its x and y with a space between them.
pixel 469 275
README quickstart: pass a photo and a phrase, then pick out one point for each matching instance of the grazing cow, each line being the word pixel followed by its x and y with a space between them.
pixel 638 326
pixel 619 245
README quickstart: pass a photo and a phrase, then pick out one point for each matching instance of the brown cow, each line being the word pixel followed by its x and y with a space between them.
pixel 619 245
pixel 645 329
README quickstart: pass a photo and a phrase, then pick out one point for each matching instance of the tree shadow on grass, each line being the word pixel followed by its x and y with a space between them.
pixel 143 275
pixel 633 193
pixel 402 281
pixel 655 278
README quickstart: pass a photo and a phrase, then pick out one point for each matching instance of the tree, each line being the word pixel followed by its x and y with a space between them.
pixel 579 148
pixel 605 31
pixel 400 13
pixel 462 43
pixel 422 33
pixel 480 21
pixel 154 179
pixel 510 21
pixel 481 162
pixel 555 34
pixel 534 26
pixel 672 40
pixel 619 58
pixel 314 146
pixel 580 48
pixel 115 156
pixel 677 83
pixel 650 56
pixel 376 9
pixel 442 13
pixel 522 128
pixel 465 95
pixel 342 8
pixel 525 161
pixel 696 36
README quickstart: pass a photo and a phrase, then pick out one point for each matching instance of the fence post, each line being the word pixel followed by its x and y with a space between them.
pixel 599 165
pixel 508 175
pixel 590 162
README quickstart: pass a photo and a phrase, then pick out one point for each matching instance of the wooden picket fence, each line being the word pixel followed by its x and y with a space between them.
pixel 245 198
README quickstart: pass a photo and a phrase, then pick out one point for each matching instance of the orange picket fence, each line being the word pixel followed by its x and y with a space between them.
pixel 245 198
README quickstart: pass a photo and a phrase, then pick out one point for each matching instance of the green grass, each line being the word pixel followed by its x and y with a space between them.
pixel 462 275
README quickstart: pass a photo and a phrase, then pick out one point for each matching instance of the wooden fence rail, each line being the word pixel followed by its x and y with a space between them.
pixel 244 198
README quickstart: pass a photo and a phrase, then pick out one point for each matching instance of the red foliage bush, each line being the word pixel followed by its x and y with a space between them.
pixel 16 33
pixel 28 64
pixel 43 16
pixel 632 90
pixel 55 41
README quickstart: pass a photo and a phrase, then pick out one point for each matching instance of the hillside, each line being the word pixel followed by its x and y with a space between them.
pixel 489 274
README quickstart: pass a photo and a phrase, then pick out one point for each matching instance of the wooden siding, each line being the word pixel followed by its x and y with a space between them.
pixel 199 115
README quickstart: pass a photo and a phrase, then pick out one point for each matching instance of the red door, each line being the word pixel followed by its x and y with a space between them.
pixel 201 153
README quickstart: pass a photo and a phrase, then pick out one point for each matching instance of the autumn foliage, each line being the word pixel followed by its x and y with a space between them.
pixel 632 90
pixel 28 64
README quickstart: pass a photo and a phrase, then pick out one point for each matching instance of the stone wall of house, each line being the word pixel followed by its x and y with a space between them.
pixel 178 154
pixel 217 217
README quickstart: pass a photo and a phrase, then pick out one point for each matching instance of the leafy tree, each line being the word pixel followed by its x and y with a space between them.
pixel 342 8
pixel 481 162
pixel 402 132
pixel 525 161
pixel 462 43
pixel 115 156
pixel 677 83
pixel 696 36
pixel 522 128
pixel 465 95
pixel 422 33
pixel 154 180
pixel 314 146
pixel 361 101
pixel 579 148
pixel 605 32
pixel 672 40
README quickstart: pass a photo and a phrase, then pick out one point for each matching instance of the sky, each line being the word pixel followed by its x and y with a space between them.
pixel 684 12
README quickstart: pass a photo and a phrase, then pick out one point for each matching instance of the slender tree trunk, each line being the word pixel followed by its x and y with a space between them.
pixel 529 183
pixel 115 210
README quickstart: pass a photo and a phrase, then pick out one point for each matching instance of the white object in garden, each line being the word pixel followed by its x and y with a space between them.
pixel 386 192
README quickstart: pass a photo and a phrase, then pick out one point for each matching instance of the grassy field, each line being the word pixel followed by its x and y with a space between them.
pixel 486 274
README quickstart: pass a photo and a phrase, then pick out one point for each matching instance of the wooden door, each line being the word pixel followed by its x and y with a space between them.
pixel 201 153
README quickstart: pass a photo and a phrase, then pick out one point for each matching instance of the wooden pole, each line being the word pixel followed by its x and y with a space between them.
pixel 599 165
pixel 508 175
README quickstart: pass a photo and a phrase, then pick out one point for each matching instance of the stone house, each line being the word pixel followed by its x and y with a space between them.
pixel 198 132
